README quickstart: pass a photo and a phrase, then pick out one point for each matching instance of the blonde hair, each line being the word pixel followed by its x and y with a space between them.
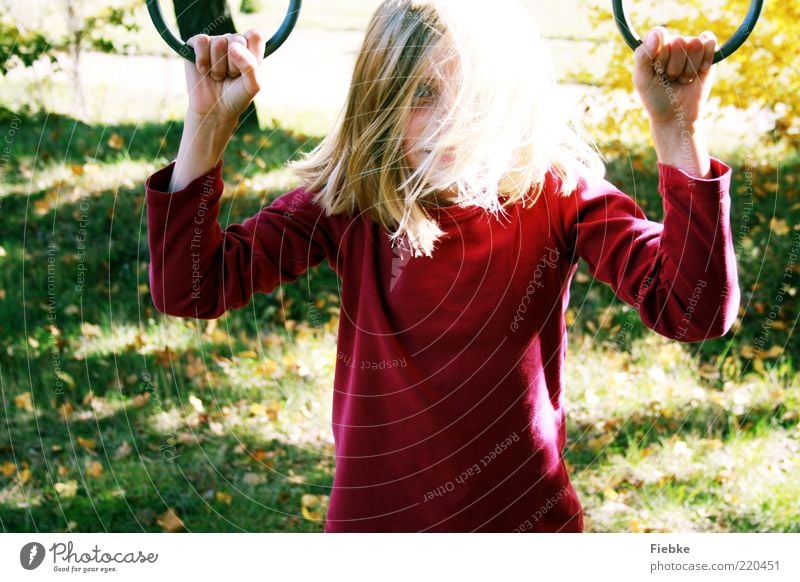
pixel 500 125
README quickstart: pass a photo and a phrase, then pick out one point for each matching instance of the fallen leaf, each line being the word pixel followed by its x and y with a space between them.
pixel 94 469
pixel 66 378
pixel 65 410
pixel 224 497
pixel 140 399
pixel 196 403
pixel 258 409
pixel 313 506
pixel 67 489
pixel 123 450
pixel 116 141
pixel 24 475
pixel 254 479
pixel 63 471
pixel 90 330
pixel 88 444
pixel 8 469
pixel 24 401
pixel 164 357
pixel 170 522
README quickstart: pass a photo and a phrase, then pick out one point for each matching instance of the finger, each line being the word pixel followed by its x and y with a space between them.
pixel 677 58
pixel 248 65
pixel 256 43
pixel 201 44
pixel 643 55
pixel 710 47
pixel 657 48
pixel 695 52
pixel 233 69
pixel 219 58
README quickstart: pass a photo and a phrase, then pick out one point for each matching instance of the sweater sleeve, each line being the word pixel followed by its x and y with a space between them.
pixel 199 270
pixel 681 275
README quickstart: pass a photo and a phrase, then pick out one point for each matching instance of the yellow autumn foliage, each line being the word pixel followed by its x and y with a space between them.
pixel 762 74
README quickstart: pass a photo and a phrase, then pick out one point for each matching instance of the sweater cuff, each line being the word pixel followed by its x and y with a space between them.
pixel 157 184
pixel 670 177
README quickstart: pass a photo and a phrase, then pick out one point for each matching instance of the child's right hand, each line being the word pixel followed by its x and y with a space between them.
pixel 224 78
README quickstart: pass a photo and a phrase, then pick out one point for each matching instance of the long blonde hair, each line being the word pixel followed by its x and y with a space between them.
pixel 500 118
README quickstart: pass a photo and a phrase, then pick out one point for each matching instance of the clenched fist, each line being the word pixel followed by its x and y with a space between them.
pixel 224 78
pixel 672 75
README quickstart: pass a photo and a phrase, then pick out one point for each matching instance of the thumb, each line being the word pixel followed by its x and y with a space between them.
pixel 653 54
pixel 248 66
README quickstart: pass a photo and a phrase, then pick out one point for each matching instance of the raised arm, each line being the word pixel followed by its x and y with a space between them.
pixel 682 275
pixel 196 269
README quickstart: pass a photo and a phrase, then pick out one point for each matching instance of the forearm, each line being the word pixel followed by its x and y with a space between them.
pixel 203 144
pixel 683 146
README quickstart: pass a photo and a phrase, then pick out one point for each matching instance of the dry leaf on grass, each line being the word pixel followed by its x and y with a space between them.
pixel 170 522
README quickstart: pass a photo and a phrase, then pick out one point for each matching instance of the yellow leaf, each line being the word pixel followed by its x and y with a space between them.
pixel 116 141
pixel 610 494
pixel 68 489
pixel 313 506
pixel 90 330
pixel 170 522
pixel 267 367
pixel 224 497
pixel 636 526
pixel 66 378
pixel 774 352
pixel 8 468
pixel 218 336
pixel 779 226
pixel 65 410
pixel 87 444
pixel 63 471
pixel 258 409
pixel 24 475
pixel 94 469
pixel 24 401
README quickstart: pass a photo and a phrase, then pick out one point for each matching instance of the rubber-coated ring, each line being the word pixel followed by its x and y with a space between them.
pixel 187 52
pixel 730 47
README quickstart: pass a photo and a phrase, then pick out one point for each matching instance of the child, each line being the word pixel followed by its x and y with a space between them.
pixel 454 204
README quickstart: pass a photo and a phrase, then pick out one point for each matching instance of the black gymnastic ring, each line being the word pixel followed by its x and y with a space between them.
pixel 730 47
pixel 187 52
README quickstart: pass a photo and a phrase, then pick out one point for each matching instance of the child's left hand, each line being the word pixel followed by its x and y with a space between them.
pixel 687 63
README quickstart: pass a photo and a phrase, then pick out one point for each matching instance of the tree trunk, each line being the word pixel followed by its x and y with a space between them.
pixel 212 17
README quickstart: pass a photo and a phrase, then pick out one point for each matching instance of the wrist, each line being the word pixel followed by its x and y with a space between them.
pixel 682 145
pixel 207 122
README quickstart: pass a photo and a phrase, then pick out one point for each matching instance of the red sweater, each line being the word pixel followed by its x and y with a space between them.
pixel 448 404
